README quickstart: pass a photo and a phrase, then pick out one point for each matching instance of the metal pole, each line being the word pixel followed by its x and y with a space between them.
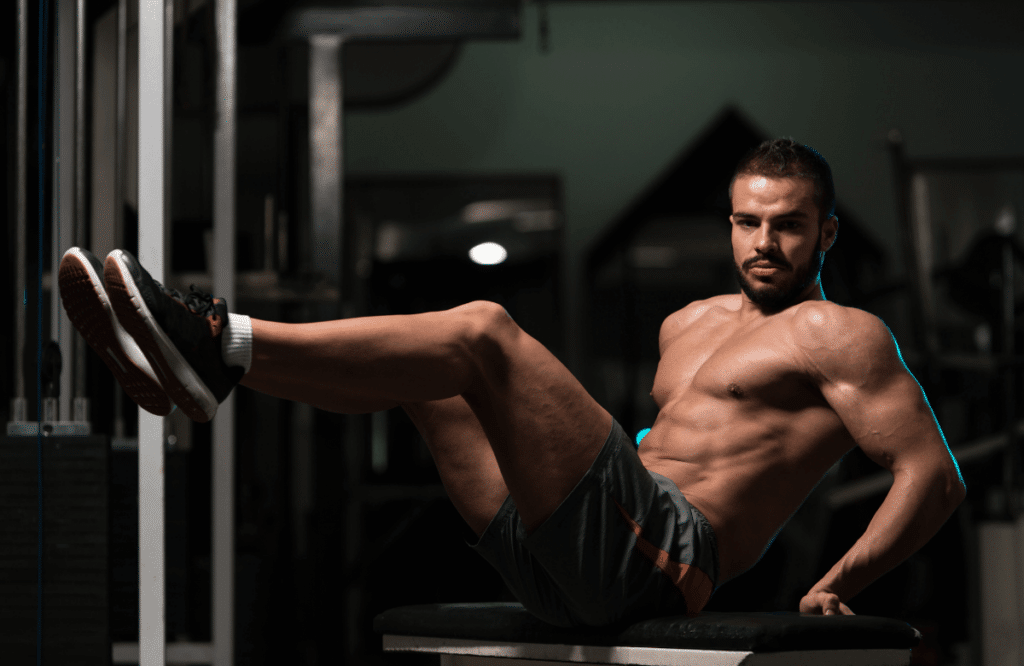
pixel 224 286
pixel 19 407
pixel 63 190
pixel 326 144
pixel 168 100
pixel 120 140
pixel 1009 383
pixel 77 362
pixel 152 168
pixel 921 223
pixel 325 152
pixel 101 100
pixel 120 160
pixel 80 226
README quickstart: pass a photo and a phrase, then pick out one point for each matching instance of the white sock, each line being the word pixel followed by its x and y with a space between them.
pixel 236 341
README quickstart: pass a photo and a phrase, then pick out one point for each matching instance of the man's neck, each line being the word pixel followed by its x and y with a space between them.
pixel 751 310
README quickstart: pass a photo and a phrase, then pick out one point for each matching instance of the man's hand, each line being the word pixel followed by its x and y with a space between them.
pixel 821 602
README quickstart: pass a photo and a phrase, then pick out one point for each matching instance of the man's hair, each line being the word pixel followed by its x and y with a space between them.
pixel 779 158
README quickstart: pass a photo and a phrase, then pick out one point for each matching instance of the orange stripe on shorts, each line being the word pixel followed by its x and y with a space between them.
pixel 694 584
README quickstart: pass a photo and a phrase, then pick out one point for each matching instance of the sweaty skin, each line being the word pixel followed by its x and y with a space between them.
pixel 757 403
pixel 759 394
pixel 742 429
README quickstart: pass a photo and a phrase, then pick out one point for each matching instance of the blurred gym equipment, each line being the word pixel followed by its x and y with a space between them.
pixel 962 242
pixel 124 198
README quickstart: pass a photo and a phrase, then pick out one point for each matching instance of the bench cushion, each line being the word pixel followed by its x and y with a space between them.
pixel 753 632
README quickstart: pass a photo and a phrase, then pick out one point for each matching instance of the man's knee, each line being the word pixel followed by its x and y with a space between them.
pixel 486 320
pixel 486 312
pixel 488 330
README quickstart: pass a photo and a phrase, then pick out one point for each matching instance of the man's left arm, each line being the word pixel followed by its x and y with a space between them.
pixel 864 379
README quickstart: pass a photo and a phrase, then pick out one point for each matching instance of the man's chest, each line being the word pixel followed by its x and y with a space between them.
pixel 731 362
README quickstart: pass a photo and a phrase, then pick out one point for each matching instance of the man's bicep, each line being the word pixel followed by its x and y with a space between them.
pixel 881 403
pixel 892 422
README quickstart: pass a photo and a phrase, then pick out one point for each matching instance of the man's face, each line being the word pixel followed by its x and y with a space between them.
pixel 777 242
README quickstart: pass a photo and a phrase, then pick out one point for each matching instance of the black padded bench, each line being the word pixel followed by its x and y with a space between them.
pixel 480 634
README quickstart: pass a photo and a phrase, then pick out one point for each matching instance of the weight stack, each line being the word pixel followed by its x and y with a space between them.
pixel 75 568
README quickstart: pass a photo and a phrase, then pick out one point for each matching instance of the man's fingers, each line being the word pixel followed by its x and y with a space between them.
pixel 833 606
pixel 825 603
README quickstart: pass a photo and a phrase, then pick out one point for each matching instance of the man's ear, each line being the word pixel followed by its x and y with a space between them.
pixel 829 231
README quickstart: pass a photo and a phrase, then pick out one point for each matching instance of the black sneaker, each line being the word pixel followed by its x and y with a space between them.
pixel 85 299
pixel 180 335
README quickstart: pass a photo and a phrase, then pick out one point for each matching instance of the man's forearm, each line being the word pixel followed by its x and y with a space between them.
pixel 911 514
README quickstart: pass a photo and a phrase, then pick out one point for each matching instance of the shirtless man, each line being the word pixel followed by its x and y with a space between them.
pixel 760 393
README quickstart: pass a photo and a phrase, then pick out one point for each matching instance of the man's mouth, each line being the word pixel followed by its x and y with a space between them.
pixel 766 265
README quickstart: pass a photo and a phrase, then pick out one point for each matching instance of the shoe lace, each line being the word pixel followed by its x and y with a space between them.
pixel 199 302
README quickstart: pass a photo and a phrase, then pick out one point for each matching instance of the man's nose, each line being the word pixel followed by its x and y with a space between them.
pixel 767 238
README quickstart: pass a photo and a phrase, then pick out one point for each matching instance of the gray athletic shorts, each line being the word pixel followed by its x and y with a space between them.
pixel 624 545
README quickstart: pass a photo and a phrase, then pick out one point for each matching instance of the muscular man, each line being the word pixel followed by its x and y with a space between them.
pixel 759 394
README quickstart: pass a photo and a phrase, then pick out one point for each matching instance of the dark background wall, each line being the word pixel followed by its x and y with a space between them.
pixel 624 86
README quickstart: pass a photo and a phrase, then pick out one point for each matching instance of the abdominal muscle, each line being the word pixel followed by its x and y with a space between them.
pixel 747 476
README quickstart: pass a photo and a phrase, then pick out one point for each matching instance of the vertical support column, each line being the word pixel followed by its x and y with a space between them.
pixel 325 153
pixel 921 222
pixel 102 171
pixel 326 122
pixel 1010 372
pixel 326 173
pixel 63 190
pixel 120 168
pixel 19 410
pixel 80 181
pixel 224 287
pixel 78 389
pixel 121 115
pixel 152 179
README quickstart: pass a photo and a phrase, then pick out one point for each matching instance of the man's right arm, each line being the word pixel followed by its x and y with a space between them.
pixel 864 380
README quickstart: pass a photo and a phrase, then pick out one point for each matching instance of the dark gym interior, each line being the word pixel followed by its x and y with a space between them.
pixel 594 141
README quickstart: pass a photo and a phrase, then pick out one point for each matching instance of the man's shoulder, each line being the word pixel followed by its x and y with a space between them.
pixel 676 323
pixel 828 321
pixel 697 309
pixel 836 335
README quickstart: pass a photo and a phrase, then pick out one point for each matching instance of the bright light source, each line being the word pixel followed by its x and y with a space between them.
pixel 488 254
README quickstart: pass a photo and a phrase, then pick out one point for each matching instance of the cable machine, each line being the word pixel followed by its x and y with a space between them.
pixel 51 434
pixel 53 469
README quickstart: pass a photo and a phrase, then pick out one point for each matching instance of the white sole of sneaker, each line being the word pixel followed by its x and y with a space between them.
pixel 88 307
pixel 182 383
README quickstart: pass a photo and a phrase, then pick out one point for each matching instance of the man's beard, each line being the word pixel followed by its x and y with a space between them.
pixel 776 297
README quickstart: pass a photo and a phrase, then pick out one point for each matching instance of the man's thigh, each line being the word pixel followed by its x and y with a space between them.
pixel 543 426
pixel 463 456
